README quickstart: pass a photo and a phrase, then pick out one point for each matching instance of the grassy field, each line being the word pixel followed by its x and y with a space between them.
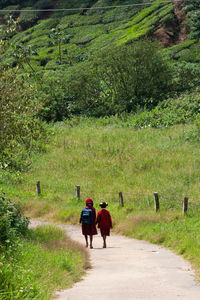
pixel 104 158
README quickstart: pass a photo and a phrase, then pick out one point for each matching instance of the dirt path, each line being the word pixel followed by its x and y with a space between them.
pixel 132 270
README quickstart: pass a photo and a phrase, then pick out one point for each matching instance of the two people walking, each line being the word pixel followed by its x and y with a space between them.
pixel 89 220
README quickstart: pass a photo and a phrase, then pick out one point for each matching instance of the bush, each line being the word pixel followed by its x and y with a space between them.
pixel 57 105
pixel 12 222
pixel 121 79
pixel 184 109
pixel 193 135
pixel 186 76
pixel 22 132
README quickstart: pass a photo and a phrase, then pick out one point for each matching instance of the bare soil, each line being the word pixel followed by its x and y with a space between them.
pixel 173 33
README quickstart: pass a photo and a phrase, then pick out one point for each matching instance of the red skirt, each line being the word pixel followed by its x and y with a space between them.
pixel 105 231
pixel 89 229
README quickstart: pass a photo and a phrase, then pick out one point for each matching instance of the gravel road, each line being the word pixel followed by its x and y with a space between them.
pixel 129 269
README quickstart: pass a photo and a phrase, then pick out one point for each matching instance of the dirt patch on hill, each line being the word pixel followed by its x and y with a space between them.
pixel 173 32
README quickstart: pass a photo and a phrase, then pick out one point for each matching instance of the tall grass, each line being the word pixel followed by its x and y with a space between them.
pixel 104 158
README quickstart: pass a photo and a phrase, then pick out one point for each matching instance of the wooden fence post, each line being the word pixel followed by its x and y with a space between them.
pixel 157 204
pixel 38 190
pixel 78 192
pixel 121 200
pixel 185 205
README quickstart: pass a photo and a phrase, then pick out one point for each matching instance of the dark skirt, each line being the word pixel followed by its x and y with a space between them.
pixel 89 229
pixel 105 231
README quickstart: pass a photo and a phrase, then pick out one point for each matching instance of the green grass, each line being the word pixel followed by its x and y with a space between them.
pixel 45 261
pixel 105 160
pixel 106 156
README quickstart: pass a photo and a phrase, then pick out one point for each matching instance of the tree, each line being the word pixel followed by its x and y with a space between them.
pixel 6 32
pixel 21 131
pixel 58 37
pixel 121 79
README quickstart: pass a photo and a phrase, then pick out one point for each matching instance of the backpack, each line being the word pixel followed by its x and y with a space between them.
pixel 86 216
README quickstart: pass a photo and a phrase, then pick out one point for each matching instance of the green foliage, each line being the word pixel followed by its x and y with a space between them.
pixel 58 102
pixel 6 33
pixel 23 54
pixel 194 134
pixel 12 222
pixel 145 22
pixel 38 265
pixel 65 41
pixel 58 37
pixel 88 30
pixel 5 3
pixel 43 4
pixel 186 76
pixel 28 18
pixel 22 133
pixel 192 10
pixel 39 4
pixel 184 109
pixel 121 80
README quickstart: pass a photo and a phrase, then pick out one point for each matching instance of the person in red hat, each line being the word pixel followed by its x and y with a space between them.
pixel 104 222
pixel 88 220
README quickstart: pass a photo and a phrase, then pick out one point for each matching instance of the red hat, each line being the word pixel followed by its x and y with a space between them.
pixel 89 201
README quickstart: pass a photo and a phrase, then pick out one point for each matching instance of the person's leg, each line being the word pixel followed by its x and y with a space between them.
pixel 104 241
pixel 86 240
pixel 91 239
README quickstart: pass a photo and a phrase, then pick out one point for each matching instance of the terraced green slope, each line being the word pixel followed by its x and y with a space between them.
pixel 82 33
pixel 86 32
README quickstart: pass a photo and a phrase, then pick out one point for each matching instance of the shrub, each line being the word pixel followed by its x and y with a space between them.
pixel 184 109
pixel 57 105
pixel 12 222
pixel 22 132
pixel 193 135
pixel 186 76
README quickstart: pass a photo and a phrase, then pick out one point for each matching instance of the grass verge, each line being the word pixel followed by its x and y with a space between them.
pixel 45 261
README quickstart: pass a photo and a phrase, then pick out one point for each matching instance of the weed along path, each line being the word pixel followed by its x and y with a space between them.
pixel 131 270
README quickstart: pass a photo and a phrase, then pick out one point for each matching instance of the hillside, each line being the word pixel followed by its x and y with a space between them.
pixel 93 58
pixel 62 39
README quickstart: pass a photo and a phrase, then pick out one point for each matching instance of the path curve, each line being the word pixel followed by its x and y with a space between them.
pixel 131 270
